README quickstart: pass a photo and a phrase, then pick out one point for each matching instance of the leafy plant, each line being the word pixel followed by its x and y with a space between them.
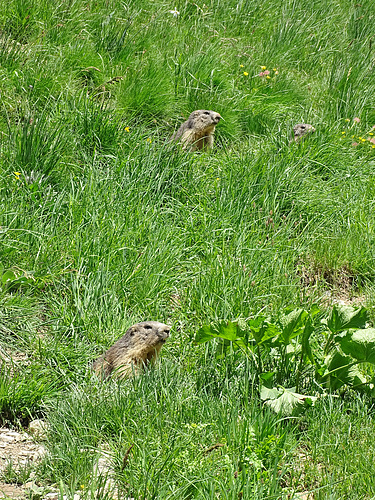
pixel 298 345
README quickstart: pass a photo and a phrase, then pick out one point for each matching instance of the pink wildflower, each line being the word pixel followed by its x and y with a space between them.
pixel 356 120
pixel 264 73
pixel 372 140
pixel 355 144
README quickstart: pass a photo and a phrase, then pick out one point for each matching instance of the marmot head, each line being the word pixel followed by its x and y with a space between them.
pixel 302 129
pixel 149 333
pixel 203 119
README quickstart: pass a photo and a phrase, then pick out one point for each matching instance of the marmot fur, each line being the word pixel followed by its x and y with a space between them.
pixel 133 351
pixel 198 130
pixel 300 130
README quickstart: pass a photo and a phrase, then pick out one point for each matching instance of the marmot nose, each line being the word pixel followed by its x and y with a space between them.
pixel 217 117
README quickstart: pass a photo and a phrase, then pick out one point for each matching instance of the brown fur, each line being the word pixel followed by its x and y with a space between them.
pixel 300 130
pixel 133 351
pixel 198 130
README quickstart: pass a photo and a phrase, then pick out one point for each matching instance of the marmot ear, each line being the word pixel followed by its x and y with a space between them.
pixel 131 331
pixel 196 113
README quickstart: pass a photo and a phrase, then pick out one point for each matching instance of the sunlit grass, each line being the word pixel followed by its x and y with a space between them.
pixel 104 223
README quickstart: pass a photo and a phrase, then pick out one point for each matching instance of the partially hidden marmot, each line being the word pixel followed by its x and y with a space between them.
pixel 133 351
pixel 300 130
pixel 198 130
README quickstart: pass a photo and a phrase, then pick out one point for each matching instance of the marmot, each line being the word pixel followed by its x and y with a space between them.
pixel 198 131
pixel 133 351
pixel 300 130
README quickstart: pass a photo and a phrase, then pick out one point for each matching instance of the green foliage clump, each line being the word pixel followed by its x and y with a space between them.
pixel 104 222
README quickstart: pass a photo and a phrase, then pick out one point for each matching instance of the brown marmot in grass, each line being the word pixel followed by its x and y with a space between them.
pixel 133 351
pixel 300 130
pixel 198 130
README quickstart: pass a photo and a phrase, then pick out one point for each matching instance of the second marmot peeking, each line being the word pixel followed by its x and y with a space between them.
pixel 300 130
pixel 198 130
pixel 133 351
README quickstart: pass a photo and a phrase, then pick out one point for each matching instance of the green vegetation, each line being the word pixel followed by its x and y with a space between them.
pixel 104 223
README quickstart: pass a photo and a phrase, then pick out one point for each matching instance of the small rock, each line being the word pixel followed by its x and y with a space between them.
pixel 7 438
pixel 39 428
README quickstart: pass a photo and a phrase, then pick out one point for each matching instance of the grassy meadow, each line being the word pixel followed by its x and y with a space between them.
pixel 104 223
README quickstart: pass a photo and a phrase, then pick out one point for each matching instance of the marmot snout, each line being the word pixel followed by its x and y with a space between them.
pixel 198 130
pixel 133 351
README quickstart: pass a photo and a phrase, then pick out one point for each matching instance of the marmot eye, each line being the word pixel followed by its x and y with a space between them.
pixel 148 327
pixel 206 113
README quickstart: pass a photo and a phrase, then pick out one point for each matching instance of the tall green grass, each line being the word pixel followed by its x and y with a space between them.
pixel 104 223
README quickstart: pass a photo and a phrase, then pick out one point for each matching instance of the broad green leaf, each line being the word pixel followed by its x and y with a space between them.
pixel 204 334
pixel 229 330
pixel 345 317
pixel 307 331
pixel 314 310
pixel 292 324
pixel 225 330
pixel 267 376
pixel 359 343
pixel 286 401
pixel 269 332
pixel 339 371
pixel 8 276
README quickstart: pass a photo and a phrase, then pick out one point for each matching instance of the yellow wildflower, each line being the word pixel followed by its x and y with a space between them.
pixel 343 133
pixel 127 129
pixel 246 73
pixel 268 77
pixel 242 66
pixel 149 140
pixel 263 68
pixel 17 175
pixel 347 119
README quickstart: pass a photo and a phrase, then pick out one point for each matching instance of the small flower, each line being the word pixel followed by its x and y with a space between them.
pixel 372 140
pixel 356 120
pixel 174 12
pixel 347 119
pixel 268 77
pixel 127 129
pixel 275 69
pixel 373 146
pixel 17 175
pixel 276 72
pixel 217 178
pixel 355 144
pixel 242 66
pixel 371 133
pixel 82 486
pixel 343 133
pixel 149 140
pixel 263 68
pixel 246 73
